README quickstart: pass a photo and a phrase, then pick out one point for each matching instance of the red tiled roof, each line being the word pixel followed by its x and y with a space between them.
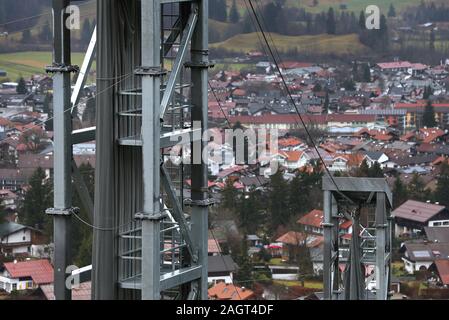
pixel 314 218
pixel 294 65
pixel 346 224
pixel 81 292
pixel 440 160
pixel 223 291
pixel 289 142
pixel 407 136
pixel 293 119
pixel 395 65
pixel 40 271
pixel 292 237
pixel 443 270
pixel 293 156
pixel 213 246
pixel 419 105
pixel 417 211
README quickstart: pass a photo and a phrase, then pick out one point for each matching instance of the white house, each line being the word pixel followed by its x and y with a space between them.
pixel 26 275
pixel 379 157
pixel 419 256
pixel 18 239
pixel 221 268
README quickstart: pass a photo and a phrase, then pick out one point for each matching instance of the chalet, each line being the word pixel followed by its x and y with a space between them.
pixel 346 162
pixel 412 216
pixel 17 239
pixel 26 275
pixel 12 179
pixel 295 159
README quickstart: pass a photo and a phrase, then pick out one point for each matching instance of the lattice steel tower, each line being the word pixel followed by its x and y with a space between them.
pixel 150 234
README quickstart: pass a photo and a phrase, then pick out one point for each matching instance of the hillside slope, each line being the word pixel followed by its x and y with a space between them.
pixel 323 44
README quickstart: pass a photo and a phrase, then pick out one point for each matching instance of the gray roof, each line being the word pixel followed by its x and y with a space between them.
pixel 417 160
pixel 437 234
pixel 221 263
pixel 373 155
pixel 254 181
pixel 421 251
pixel 417 211
pixel 9 228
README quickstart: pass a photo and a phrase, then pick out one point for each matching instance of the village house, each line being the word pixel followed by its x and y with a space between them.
pixel 411 217
pixel 221 268
pixel 26 275
pixel 420 255
pixel 17 239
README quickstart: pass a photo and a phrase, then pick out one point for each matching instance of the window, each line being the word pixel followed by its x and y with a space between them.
pixel 14 286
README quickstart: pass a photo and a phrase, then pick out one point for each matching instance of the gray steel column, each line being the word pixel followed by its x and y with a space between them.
pixel 328 242
pixel 381 237
pixel 199 65
pixel 62 150
pixel 151 216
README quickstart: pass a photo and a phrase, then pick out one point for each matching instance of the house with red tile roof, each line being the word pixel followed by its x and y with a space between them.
pixel 442 266
pixel 312 223
pixel 25 275
pixel 223 291
pixel 346 162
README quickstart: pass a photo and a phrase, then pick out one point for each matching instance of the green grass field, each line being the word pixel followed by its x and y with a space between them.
pixel 352 5
pixel 26 64
pixel 356 5
pixel 324 43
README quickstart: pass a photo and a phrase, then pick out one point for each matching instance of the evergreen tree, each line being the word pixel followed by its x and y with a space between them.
pixel 432 41
pixel 429 116
pixel 278 201
pixel 442 190
pixel 90 111
pixel 326 103
pixel 317 88
pixel 37 200
pixel 363 170
pixel 427 92
pixel 234 15
pixel 22 86
pixel 375 171
pixel 362 20
pixel 48 109
pixel 249 213
pixel 82 234
pixel 86 32
pixel 331 24
pixel 45 35
pixel 366 73
pixel 392 11
pixel 416 189
pixel 400 194
pixel 229 195
pixel 26 36
pixel 244 273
